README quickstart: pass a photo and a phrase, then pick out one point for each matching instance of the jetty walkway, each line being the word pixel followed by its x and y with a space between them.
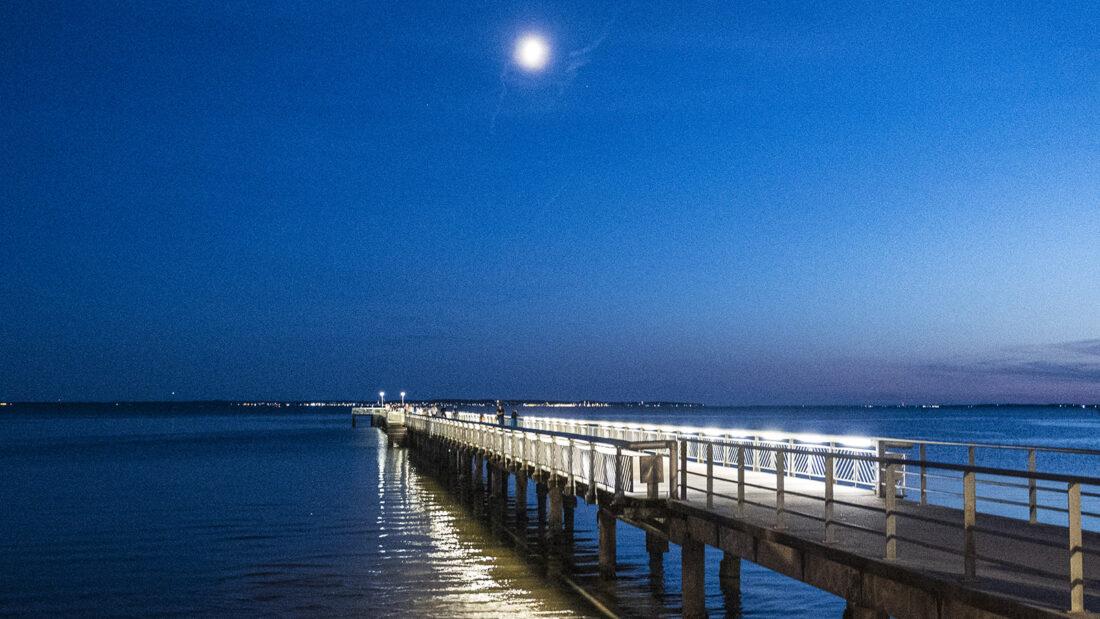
pixel 900 528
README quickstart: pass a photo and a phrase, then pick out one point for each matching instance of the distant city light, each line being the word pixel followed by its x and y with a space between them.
pixel 532 52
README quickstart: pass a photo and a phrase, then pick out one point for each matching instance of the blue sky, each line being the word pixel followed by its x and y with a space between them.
pixel 729 202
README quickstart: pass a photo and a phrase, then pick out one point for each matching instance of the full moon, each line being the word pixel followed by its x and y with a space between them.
pixel 532 52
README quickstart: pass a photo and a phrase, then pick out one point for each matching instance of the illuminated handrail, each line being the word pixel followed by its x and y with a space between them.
pixel 890 508
pixel 804 436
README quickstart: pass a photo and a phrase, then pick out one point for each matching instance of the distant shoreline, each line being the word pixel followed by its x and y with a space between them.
pixel 524 403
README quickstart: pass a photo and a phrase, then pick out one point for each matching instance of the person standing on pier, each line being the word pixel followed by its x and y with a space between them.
pixel 500 413
pixel 515 418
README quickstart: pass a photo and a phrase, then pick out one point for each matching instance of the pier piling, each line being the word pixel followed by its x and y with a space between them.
pixel 606 522
pixel 692 571
pixel 521 493
pixel 554 519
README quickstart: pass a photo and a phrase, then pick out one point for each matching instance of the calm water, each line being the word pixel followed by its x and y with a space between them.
pixel 204 510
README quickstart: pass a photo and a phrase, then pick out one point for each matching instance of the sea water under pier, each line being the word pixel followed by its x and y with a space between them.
pixel 949 539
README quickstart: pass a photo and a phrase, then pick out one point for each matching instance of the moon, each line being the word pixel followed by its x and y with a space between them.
pixel 532 53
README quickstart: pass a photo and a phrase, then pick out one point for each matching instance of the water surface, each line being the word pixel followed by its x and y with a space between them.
pixel 216 510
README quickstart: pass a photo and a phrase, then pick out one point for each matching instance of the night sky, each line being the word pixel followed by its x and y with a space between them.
pixel 728 203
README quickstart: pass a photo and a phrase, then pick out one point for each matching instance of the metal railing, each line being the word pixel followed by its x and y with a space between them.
pixel 1063 544
pixel 759 448
pixel 998 494
pixel 598 462
pixel 734 474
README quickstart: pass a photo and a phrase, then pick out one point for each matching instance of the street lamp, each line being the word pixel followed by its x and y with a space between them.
pixel 382 397
pixel 402 398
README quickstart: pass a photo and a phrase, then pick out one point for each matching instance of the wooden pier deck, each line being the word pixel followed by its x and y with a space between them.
pixel 817 513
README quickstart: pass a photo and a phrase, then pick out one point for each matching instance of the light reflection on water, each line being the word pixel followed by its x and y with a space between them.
pixel 148 513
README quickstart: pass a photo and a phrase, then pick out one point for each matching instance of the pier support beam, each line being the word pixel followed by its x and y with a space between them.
pixel 569 504
pixel 490 478
pixel 729 581
pixel 606 521
pixel 655 544
pixel 479 470
pixel 497 487
pixel 465 463
pixel 692 573
pixel 540 503
pixel 554 520
pixel 521 494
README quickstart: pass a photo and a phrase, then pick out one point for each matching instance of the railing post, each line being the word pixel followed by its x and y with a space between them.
pixel 710 475
pixel 683 469
pixel 970 455
pixel 780 507
pixel 923 475
pixel 653 475
pixel 970 499
pixel 891 512
pixel 591 494
pixel 792 470
pixel 553 456
pixel 829 479
pixel 756 454
pixel 881 468
pixel 673 474
pixel 538 455
pixel 1032 490
pixel 572 475
pixel 740 481
pixel 1076 551
pixel 618 471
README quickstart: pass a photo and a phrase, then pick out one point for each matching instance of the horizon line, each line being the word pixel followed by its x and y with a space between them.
pixel 338 401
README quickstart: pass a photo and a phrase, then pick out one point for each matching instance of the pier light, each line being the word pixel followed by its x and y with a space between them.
pixel 382 397
pixel 855 441
pixel 402 398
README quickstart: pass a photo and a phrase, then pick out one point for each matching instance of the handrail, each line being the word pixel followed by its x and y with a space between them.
pixel 609 462
pixel 588 438
pixel 963 468
pixel 839 438
pixel 763 446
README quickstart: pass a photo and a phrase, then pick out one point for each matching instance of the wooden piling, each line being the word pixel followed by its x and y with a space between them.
pixel 606 522
pixel 692 572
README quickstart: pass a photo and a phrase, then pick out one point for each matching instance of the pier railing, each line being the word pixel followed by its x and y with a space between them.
pixel 759 448
pixel 983 523
pixel 598 462
pixel 1054 553
pixel 1040 502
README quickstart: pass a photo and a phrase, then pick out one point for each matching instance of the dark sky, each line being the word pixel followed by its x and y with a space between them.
pixel 725 202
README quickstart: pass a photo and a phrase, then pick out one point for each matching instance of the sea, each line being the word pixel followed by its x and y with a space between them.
pixel 214 509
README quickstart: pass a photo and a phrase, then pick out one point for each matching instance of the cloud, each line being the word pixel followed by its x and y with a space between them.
pixel 1084 347
pixel 1069 362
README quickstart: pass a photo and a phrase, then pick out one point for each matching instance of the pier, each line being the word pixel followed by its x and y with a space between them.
pixel 897 528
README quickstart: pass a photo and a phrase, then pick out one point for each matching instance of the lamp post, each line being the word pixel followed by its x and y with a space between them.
pixel 402 398
pixel 382 397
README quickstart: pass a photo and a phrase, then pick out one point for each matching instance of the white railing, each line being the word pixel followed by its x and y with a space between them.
pixel 605 464
pixel 808 463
